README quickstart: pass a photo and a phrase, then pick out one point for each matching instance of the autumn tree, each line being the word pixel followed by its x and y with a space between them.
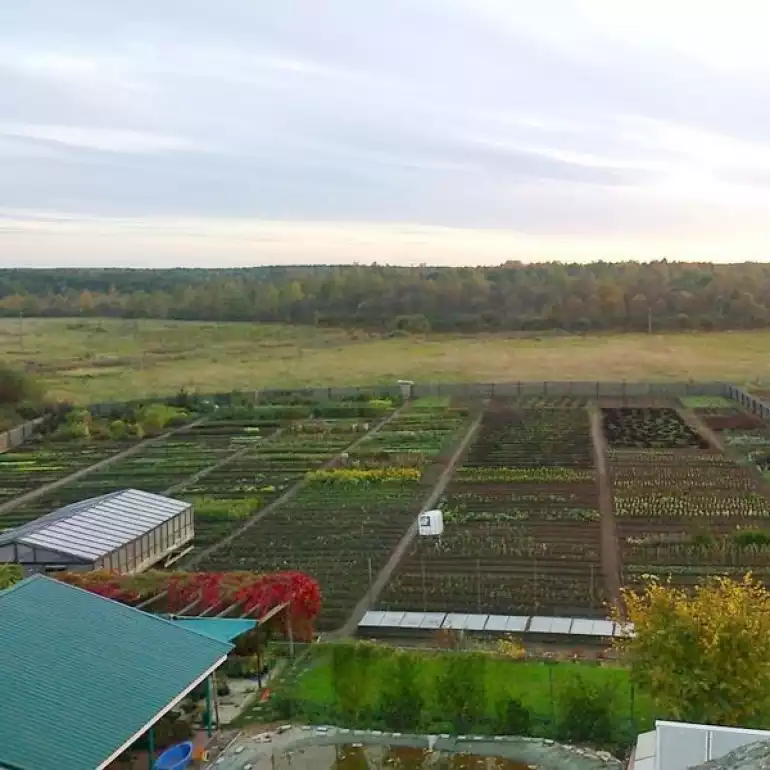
pixel 513 296
pixel 703 656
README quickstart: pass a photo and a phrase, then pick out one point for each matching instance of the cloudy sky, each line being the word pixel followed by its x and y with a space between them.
pixel 200 132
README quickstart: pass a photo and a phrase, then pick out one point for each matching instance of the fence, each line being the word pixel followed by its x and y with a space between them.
pixel 516 389
pixel 18 435
pixel 554 694
pixel 548 389
pixel 749 402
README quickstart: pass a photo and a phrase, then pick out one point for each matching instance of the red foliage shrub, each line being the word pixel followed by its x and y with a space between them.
pixel 255 593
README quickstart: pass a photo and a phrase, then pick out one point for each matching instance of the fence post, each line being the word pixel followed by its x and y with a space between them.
pixel 553 699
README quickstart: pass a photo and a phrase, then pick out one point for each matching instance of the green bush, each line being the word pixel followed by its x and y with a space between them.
pixel 511 717
pixel 351 679
pixel 587 713
pixel 76 425
pixel 17 387
pixel 401 700
pixel 155 417
pixel 460 689
pixel 118 430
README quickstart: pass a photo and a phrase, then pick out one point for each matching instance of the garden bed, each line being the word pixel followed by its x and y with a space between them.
pixel 649 427
pixel 342 527
pixel 521 524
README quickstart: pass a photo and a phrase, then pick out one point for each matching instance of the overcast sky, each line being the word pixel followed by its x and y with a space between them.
pixel 213 132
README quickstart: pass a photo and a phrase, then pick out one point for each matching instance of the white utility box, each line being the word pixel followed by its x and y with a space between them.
pixel 431 523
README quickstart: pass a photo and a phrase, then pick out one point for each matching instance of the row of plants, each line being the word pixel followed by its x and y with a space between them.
pixel 686 504
pixel 720 475
pixel 455 514
pixel 681 458
pixel 740 548
pixel 349 477
pixel 502 475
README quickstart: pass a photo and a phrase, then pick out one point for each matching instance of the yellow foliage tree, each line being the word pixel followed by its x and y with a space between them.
pixel 703 656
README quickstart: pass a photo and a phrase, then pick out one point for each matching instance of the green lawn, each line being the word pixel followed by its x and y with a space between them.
pixel 109 359
pixel 537 685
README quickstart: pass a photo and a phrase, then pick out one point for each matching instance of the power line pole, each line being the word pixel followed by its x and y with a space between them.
pixel 21 331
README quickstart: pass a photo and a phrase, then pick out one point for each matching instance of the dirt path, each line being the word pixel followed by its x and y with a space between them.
pixel 404 544
pixel 609 536
pixel 693 421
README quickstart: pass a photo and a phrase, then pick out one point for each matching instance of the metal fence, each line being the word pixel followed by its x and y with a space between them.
pixel 522 388
pixel 404 389
pixel 18 435
pixel 748 401
pixel 548 695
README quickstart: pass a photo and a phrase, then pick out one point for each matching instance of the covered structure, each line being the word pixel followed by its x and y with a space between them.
pixel 396 623
pixel 126 531
pixel 83 677
pixel 682 745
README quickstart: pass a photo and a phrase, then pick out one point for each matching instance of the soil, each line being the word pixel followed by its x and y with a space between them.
pixel 610 556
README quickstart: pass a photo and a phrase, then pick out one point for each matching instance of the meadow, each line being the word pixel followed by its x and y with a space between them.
pixel 92 360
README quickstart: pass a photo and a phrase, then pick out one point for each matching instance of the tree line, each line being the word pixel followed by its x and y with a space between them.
pixel 629 296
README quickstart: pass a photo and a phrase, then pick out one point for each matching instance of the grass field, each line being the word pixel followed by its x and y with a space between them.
pixel 99 360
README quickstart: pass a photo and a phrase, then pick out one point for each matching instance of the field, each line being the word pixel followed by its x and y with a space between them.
pixel 95 360
pixel 549 503
pixel 522 524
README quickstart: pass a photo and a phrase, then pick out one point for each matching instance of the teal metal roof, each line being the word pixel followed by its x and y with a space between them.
pixel 81 675
pixel 223 629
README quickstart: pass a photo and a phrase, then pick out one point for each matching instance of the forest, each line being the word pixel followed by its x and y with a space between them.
pixel 515 296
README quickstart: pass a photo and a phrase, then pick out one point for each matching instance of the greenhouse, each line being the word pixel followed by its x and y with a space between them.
pixel 126 531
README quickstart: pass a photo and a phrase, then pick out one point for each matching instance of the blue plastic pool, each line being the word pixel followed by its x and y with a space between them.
pixel 175 757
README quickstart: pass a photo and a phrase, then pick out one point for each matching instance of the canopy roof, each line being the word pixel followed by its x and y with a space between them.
pixel 83 676
pixel 223 629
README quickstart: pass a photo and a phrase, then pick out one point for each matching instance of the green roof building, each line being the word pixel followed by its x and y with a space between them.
pixel 82 677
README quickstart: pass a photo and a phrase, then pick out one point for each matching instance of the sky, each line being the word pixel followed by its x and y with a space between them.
pixel 155 133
